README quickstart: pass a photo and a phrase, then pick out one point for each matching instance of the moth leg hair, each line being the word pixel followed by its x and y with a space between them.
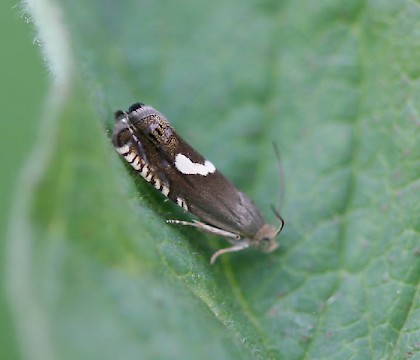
pixel 207 228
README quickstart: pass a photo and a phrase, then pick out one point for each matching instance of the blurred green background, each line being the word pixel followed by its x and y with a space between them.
pixel 336 84
pixel 24 81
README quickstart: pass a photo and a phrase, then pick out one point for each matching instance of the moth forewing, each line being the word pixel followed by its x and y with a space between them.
pixel 146 139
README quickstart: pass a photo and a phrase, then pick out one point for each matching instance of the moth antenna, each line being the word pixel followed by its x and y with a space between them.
pixel 282 222
pixel 281 175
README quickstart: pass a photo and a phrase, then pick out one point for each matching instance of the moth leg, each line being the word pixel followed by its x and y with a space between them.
pixel 242 245
pixel 207 228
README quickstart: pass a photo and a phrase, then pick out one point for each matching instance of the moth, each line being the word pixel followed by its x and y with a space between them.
pixel 149 143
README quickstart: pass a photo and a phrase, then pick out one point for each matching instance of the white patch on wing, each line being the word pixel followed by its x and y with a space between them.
pixel 165 190
pixel 186 166
pixel 157 184
pixel 136 163
pixel 181 203
pixel 123 149
pixel 130 157
pixel 144 171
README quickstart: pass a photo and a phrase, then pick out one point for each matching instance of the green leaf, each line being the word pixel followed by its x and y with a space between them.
pixel 334 84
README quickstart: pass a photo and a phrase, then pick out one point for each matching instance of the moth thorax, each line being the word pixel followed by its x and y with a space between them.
pixel 265 239
pixel 158 130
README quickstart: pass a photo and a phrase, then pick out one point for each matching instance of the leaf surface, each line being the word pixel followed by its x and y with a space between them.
pixel 335 85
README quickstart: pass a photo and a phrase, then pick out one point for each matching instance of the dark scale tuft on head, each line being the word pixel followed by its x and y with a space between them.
pixel 119 114
pixel 135 107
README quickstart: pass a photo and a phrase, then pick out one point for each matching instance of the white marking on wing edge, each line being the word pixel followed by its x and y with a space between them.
pixel 130 157
pixel 144 171
pixel 123 149
pixel 165 190
pixel 136 164
pixel 181 203
pixel 157 184
pixel 186 166
pixel 149 177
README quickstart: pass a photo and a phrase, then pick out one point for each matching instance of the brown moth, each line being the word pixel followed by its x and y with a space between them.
pixel 146 139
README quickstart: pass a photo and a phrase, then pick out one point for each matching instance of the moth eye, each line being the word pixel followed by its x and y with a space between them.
pixel 265 242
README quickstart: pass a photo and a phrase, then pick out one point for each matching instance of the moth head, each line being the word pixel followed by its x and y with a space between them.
pixel 143 120
pixel 153 125
pixel 122 134
pixel 265 240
